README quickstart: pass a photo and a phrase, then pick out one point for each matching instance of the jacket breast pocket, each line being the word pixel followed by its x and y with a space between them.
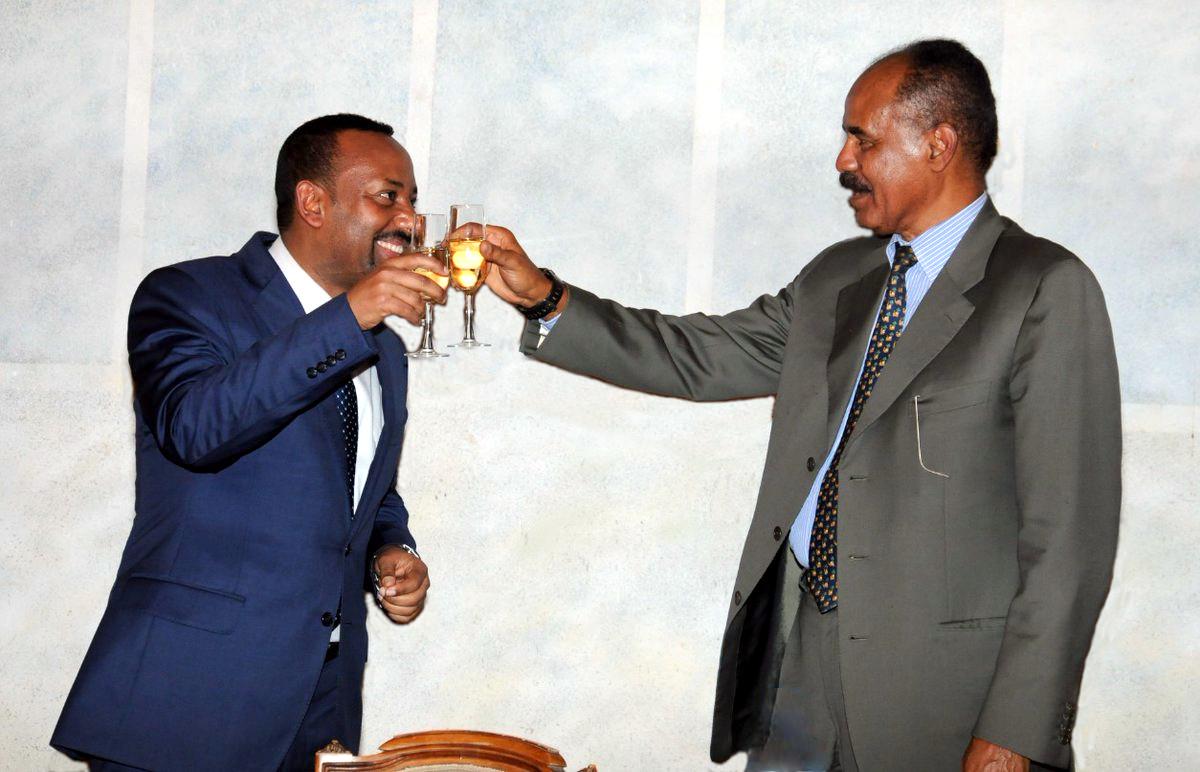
pixel 184 603
pixel 933 402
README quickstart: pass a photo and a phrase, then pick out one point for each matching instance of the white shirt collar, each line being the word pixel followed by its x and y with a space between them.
pixel 311 295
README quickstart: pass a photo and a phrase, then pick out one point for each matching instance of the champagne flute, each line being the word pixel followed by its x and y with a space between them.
pixel 428 238
pixel 468 269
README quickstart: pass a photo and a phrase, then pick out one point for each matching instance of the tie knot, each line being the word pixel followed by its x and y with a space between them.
pixel 904 258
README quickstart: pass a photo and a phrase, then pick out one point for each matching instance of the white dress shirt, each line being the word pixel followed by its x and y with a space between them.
pixel 366 381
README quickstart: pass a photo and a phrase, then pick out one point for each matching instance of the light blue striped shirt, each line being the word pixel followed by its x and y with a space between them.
pixel 933 249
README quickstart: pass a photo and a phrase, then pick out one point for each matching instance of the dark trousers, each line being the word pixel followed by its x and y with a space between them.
pixel 808 729
pixel 322 722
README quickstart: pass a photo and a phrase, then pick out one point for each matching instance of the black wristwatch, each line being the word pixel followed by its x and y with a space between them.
pixel 546 306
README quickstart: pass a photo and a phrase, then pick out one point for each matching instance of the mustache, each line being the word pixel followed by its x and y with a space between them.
pixel 852 182
pixel 393 235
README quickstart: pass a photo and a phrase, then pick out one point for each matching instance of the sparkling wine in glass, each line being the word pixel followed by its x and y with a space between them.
pixel 468 269
pixel 429 238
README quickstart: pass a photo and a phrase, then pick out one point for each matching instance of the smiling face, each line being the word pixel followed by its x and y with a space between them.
pixel 372 207
pixel 885 160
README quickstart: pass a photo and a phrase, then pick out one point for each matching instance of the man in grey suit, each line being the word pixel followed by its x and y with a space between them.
pixel 935 530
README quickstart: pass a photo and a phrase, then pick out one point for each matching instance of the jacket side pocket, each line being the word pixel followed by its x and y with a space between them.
pixel 188 604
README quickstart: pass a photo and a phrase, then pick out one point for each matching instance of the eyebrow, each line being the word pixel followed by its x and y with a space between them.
pixel 855 130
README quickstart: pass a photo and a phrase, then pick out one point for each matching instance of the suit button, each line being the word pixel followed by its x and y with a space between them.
pixel 778 533
pixel 737 598
pixel 811 464
pixel 327 619
pixel 348 550
pixel 331 360
pixel 322 367
pixel 340 353
pixel 312 372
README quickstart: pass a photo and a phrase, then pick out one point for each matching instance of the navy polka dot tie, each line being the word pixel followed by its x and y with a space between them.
pixel 821 577
pixel 347 407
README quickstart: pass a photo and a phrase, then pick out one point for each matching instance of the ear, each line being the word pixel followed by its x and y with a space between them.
pixel 943 146
pixel 311 202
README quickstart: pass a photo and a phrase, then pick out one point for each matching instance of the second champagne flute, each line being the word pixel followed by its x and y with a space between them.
pixel 468 269
pixel 429 238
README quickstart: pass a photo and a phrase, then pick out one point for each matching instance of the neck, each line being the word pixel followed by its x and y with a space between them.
pixel 946 205
pixel 309 256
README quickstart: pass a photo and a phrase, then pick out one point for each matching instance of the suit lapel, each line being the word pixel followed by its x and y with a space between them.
pixel 941 315
pixel 274 302
pixel 277 306
pixel 855 316
pixel 393 380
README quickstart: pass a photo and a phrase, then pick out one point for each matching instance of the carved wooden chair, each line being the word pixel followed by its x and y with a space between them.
pixel 446 751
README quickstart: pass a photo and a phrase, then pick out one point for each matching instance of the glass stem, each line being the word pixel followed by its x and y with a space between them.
pixel 427 328
pixel 469 319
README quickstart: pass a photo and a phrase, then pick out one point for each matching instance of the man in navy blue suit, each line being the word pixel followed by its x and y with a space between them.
pixel 270 409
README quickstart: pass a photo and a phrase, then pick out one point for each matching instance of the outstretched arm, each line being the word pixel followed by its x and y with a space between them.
pixel 698 356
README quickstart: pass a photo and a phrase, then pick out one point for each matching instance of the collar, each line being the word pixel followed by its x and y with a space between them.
pixel 310 294
pixel 935 246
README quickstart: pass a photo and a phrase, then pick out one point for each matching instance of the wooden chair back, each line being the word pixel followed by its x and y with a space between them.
pixel 446 751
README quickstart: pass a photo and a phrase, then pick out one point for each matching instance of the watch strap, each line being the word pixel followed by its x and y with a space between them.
pixel 547 305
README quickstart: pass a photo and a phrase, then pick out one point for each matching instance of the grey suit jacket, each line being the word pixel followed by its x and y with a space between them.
pixel 967 602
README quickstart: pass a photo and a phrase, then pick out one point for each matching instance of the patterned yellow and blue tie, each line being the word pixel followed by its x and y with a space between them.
pixel 821 577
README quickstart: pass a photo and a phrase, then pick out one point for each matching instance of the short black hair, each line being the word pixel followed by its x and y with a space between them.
pixel 308 153
pixel 946 83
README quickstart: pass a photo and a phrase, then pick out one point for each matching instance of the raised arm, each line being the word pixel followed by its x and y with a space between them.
pixel 698 356
pixel 207 403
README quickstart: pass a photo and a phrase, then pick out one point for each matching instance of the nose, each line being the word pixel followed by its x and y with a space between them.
pixel 404 217
pixel 846 162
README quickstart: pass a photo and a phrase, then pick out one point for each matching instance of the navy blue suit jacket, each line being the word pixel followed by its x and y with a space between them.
pixel 213 639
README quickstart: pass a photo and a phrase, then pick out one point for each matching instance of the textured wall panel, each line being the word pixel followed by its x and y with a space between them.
pixel 231 80
pixel 63 86
pixel 582 540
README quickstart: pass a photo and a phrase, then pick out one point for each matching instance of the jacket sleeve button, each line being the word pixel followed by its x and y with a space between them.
pixel 340 353
pixel 322 367
pixel 331 360
pixel 312 372
pixel 811 464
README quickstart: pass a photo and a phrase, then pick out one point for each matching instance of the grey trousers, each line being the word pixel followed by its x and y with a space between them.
pixel 808 729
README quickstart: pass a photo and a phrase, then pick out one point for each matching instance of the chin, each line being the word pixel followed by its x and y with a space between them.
pixel 864 220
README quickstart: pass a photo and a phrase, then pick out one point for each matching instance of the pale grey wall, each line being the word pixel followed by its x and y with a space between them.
pixel 676 154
